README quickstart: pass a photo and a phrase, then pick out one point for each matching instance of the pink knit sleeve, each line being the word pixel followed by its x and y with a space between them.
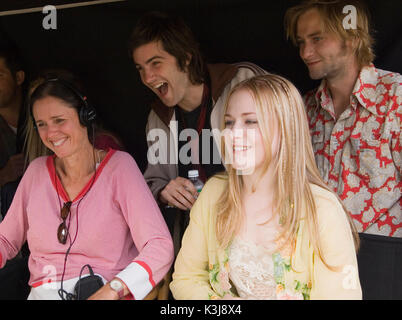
pixel 148 229
pixel 15 224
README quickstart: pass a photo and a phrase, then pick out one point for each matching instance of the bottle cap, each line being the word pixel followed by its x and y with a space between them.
pixel 193 173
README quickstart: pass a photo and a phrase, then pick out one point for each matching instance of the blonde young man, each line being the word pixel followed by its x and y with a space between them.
pixel 355 122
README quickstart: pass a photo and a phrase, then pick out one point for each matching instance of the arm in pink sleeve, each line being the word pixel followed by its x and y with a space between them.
pixel 148 229
pixel 14 226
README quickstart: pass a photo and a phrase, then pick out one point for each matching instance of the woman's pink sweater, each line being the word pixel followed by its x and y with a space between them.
pixel 120 230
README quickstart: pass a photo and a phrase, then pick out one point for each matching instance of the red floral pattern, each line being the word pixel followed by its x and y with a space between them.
pixel 359 155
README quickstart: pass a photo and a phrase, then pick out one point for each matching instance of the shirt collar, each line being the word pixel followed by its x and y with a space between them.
pixel 323 98
pixel 364 91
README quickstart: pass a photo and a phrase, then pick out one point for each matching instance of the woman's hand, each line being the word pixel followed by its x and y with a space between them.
pixel 105 293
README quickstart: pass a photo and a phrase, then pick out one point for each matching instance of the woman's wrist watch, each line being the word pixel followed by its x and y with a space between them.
pixel 117 285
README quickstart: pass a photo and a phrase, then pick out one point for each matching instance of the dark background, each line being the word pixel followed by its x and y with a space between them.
pixel 92 42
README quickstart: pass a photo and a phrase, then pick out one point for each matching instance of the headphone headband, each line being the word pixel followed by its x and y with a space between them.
pixel 86 113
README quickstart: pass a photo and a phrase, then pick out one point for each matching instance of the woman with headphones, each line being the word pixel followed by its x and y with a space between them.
pixel 92 226
pixel 33 146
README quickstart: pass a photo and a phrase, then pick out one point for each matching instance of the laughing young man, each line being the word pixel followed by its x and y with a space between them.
pixel 355 122
pixel 190 95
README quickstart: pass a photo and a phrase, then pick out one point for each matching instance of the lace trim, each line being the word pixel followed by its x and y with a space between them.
pixel 252 270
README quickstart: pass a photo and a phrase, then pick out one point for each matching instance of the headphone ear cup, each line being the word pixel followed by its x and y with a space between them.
pixel 91 114
pixel 87 115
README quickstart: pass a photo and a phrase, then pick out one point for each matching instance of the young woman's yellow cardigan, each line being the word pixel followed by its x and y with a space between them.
pixel 202 268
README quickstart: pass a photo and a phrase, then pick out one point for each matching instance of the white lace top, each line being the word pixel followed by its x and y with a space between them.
pixel 252 270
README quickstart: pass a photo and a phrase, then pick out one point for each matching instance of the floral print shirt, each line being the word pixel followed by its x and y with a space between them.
pixel 359 155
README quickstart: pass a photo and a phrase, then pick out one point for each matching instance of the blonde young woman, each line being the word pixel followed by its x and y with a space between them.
pixel 269 228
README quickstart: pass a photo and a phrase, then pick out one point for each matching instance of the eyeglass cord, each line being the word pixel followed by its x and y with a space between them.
pixel 61 291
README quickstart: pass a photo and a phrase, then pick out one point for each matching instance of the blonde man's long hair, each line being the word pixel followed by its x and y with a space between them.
pixel 277 100
pixel 331 13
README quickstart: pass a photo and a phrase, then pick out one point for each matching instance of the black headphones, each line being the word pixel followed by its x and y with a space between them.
pixel 86 113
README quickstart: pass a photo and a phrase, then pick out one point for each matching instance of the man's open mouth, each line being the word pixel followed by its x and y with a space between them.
pixel 162 88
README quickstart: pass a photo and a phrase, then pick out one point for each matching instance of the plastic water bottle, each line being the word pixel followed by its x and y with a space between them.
pixel 194 178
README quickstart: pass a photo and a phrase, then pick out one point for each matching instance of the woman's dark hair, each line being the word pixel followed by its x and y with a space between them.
pixel 64 86
pixel 177 39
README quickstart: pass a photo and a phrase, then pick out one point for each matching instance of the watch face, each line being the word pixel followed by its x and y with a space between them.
pixel 116 285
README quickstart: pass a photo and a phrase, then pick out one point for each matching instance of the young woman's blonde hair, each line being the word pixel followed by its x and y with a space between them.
pixel 277 101
pixel 332 15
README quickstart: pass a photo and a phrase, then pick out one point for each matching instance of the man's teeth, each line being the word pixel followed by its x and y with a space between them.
pixel 159 85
